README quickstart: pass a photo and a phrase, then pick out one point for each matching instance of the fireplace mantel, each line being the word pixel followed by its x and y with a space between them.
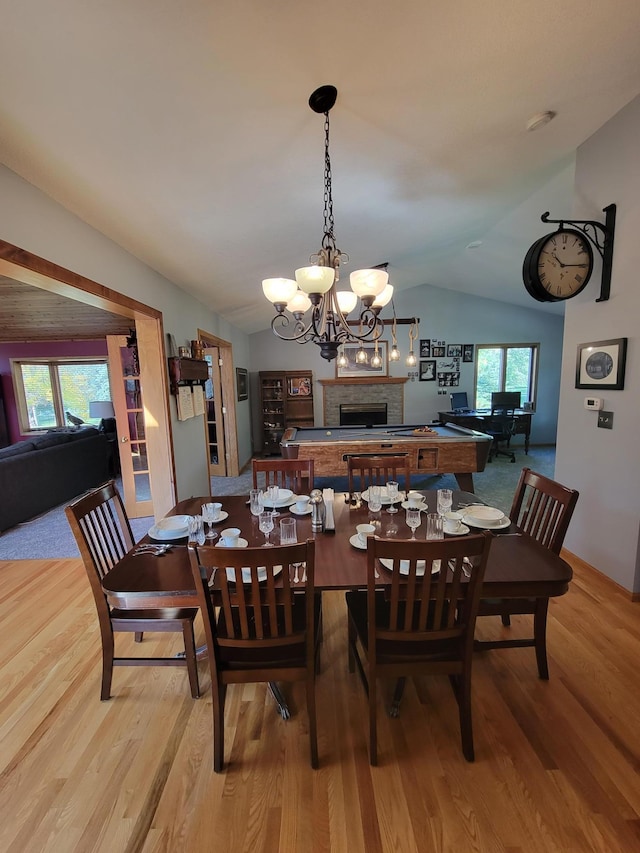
pixel 357 380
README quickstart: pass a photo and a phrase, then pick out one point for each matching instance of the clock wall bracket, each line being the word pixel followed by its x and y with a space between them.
pixel 601 235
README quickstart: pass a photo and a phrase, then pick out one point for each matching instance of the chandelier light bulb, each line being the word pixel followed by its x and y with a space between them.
pixel 315 279
pixel 367 284
pixel 384 297
pixel 361 356
pixel 347 300
pixel 342 360
pixel 299 303
pixel 279 291
pixel 376 360
pixel 394 355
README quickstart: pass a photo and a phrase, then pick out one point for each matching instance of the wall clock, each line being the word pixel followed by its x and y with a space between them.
pixel 558 266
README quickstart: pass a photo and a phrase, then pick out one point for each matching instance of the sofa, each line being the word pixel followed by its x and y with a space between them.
pixel 44 471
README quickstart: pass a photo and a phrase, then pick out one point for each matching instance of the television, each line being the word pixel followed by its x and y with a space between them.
pixel 459 401
pixel 505 400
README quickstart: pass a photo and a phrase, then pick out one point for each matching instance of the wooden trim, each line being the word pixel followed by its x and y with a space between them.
pixel 228 380
pixel 356 380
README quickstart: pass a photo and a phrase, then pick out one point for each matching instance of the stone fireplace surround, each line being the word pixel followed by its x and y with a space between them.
pixel 389 390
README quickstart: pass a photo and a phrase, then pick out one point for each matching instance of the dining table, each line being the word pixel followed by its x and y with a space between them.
pixel 518 566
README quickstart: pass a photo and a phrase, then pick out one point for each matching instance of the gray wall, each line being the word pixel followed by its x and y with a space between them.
pixel 605 465
pixel 33 221
pixel 456 318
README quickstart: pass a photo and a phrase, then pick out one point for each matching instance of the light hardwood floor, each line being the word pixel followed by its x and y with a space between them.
pixel 556 762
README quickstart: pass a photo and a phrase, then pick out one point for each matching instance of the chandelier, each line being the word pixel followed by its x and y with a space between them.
pixel 314 288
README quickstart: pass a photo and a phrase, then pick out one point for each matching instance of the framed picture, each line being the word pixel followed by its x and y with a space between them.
pixel 601 365
pixel 428 371
pixel 467 352
pixel 242 383
pixel 363 371
pixel 299 386
pixel 438 351
pixel 425 348
pixel 454 351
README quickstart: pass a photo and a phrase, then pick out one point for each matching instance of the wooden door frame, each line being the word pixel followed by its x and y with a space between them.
pixel 228 381
pixel 25 267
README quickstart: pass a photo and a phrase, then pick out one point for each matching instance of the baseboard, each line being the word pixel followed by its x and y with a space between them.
pixel 584 566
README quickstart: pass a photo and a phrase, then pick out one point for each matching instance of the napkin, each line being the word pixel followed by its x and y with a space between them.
pixel 329 521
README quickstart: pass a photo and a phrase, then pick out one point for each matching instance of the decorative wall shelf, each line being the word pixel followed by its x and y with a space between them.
pixel 187 371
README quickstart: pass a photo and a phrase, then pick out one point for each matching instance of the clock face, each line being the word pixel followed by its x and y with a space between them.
pixel 558 266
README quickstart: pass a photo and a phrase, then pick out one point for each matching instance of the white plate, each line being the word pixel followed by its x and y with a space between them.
pixel 295 511
pixel 284 498
pixel 356 542
pixel 223 515
pixel 407 505
pixel 404 566
pixel 242 543
pixel 384 497
pixel 483 526
pixel 172 527
pixel 461 531
pixel 488 516
pixel 246 574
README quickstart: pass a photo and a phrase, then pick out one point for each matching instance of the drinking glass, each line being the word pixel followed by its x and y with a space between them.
pixel 413 521
pixel 375 499
pixel 256 503
pixel 288 534
pixel 272 494
pixel 266 526
pixel 392 492
pixel 445 500
pixel 435 528
pixel 209 515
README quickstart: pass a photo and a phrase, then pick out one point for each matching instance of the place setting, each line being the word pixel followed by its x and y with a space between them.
pixel 484 517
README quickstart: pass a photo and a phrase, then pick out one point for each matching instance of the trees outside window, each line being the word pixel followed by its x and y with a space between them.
pixel 505 367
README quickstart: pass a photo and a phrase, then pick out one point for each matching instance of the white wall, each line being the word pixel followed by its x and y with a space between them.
pixel 456 318
pixel 33 221
pixel 605 465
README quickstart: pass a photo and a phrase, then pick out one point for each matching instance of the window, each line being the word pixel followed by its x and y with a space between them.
pixel 506 367
pixel 46 389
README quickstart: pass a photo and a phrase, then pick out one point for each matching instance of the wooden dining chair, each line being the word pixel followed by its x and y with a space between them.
pixel 102 531
pixel 542 509
pixel 377 470
pixel 259 624
pixel 419 624
pixel 294 474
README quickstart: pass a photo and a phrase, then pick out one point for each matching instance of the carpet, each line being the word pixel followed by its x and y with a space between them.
pixel 48 536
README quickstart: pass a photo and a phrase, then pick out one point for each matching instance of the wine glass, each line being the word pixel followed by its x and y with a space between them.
pixel 392 493
pixel 272 494
pixel 209 515
pixel 445 500
pixel 413 521
pixel 256 502
pixel 266 526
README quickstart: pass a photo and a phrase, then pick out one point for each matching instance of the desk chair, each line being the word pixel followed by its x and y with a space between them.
pixel 501 427
pixel 294 474
pixel 258 625
pixel 102 531
pixel 377 470
pixel 542 509
pixel 418 624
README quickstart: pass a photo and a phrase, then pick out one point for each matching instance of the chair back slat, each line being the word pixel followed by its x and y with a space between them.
pixel 294 474
pixel 424 606
pixel 542 508
pixel 365 471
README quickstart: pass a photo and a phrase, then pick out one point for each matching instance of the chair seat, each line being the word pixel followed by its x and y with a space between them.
pixel 165 614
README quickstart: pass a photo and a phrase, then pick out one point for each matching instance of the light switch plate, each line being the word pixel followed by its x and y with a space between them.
pixel 605 420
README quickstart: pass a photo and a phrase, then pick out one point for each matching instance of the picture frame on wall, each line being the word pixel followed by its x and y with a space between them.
pixel 425 348
pixel 242 383
pixel 601 364
pixel 438 351
pixel 363 371
pixel 428 371
pixel 467 353
pixel 454 351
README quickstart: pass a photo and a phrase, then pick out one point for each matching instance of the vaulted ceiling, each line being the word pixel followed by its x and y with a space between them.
pixel 182 131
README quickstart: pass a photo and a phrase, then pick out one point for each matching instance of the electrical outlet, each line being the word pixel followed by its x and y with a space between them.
pixel 605 420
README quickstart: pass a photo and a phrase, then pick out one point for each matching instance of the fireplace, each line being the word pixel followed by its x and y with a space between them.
pixel 354 414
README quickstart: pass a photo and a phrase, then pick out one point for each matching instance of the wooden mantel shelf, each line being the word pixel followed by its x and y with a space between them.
pixel 366 380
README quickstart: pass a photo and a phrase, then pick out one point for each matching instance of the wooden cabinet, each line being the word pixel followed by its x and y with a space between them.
pixel 286 400
pixel 187 371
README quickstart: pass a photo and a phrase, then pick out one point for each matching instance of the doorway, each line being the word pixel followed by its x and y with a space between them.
pixel 220 411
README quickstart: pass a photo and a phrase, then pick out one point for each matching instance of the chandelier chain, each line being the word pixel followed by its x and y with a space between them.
pixel 328 238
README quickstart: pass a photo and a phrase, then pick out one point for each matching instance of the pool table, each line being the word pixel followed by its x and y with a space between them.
pixel 444 450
